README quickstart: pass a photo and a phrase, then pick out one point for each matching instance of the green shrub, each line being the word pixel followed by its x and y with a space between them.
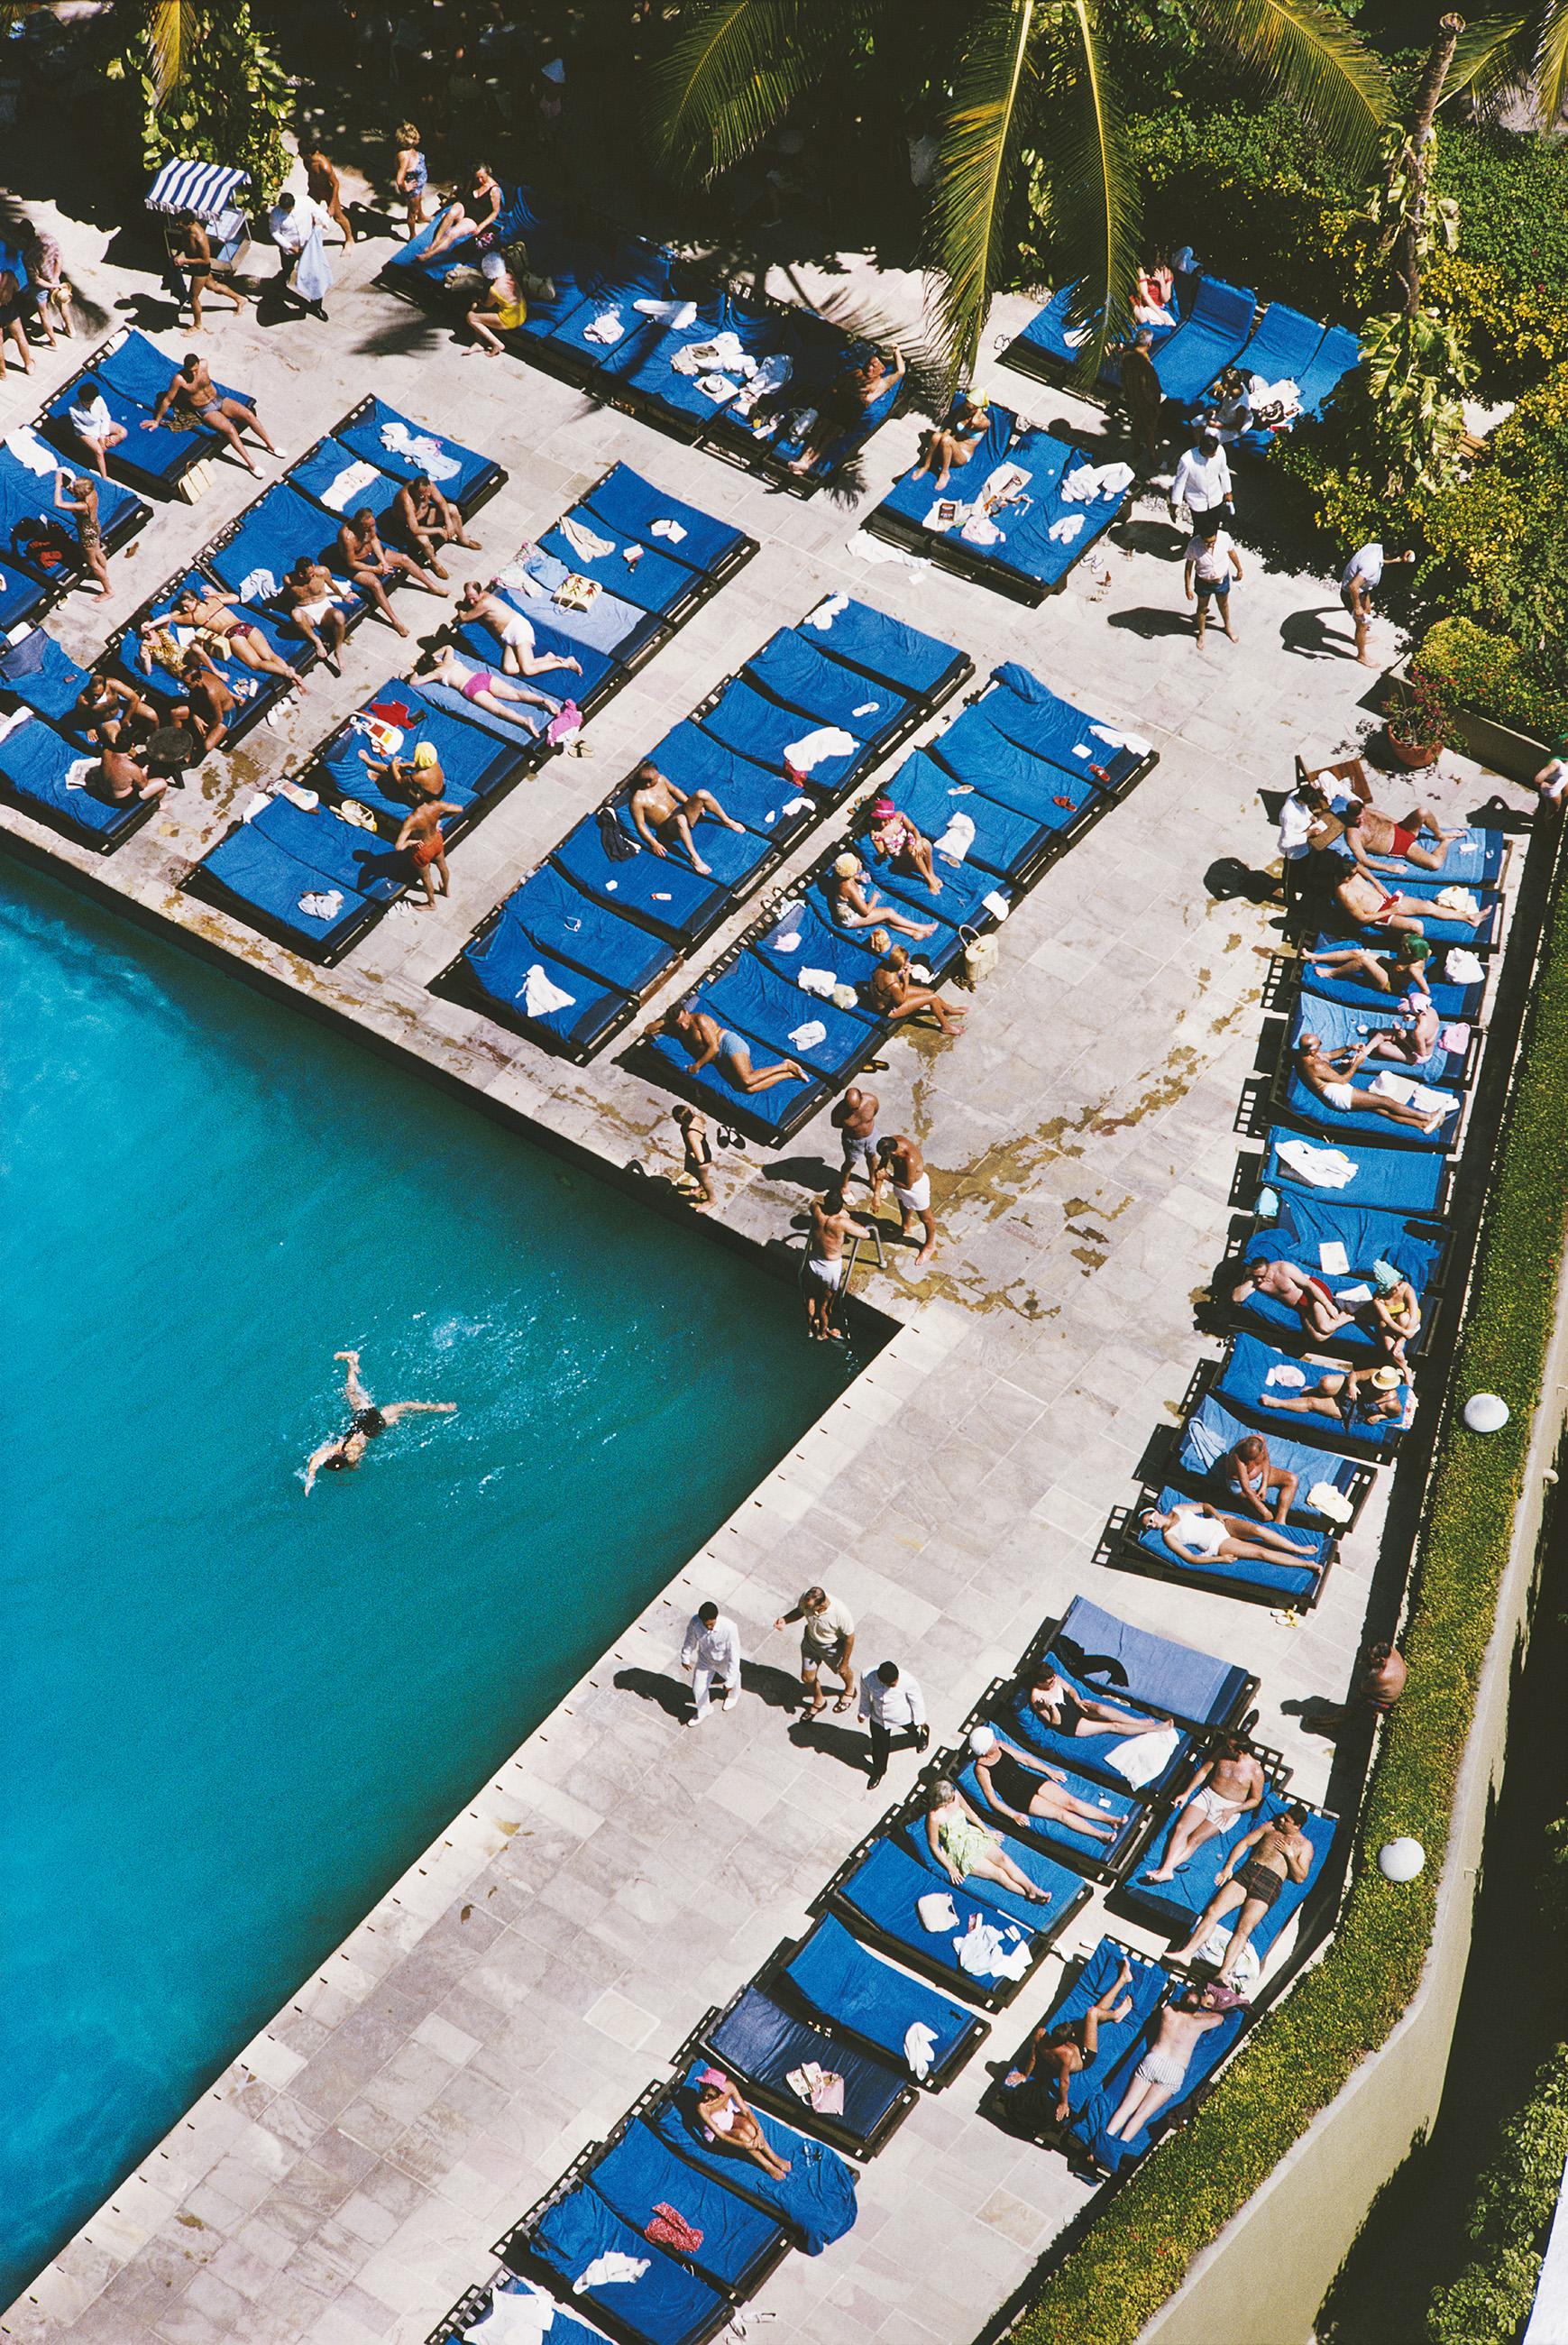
pixel 1495 546
pixel 1474 668
pixel 230 105
pixel 1489 2302
pixel 1301 2053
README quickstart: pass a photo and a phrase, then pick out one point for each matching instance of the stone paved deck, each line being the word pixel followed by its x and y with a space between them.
pixel 344 2179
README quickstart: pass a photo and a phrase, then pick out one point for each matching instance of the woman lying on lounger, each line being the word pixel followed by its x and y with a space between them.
pixel 733 2126
pixel 963 1845
pixel 1405 973
pixel 240 639
pixel 855 904
pixel 1006 1773
pixel 709 1044
pixel 488 690
pixel 1059 2053
pixel 1357 1397
pixel 1056 1705
pixel 1327 1075
pixel 1200 1534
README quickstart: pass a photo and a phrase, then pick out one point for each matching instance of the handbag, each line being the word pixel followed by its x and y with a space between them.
pixel 576 592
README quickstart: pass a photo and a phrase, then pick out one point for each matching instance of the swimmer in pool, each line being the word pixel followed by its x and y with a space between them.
pixel 346 1449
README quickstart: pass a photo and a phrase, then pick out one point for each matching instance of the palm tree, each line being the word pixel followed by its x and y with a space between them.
pixel 1524 57
pixel 1019 75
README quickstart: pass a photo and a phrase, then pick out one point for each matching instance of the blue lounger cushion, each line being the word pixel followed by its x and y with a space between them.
pixel 42 676
pixel 915 494
pixel 1017 1784
pixel 913 663
pixel 139 370
pixel 972 751
pixel 1306 1224
pixel 752 998
pixel 771 1109
pixel 815 2199
pixel 1291 1581
pixel 641 2173
pixel 769 804
pixel 473 763
pixel 1342 1025
pixel 665 2303
pixel 1048 330
pixel 21 599
pixel 1025 547
pixel 1390 1179
pixel 652 582
pixel 885 1892
pixel 969 893
pixel 34 764
pixel 795 673
pixel 1244 1382
pixel 1373 1002
pixel 1436 926
pixel 746 719
pixel 1093 1984
pixel 1211 1432
pixel 257 689
pixel 632 271
pixel 1004 841
pixel 365 436
pixel 1336 355
pixel 848 1985
pixel 1087 2128
pixel 937 952
pixel 671 898
pixel 804 938
pixel 1283 345
pixel 1064 1890
pixel 564 2328
pixel 1029 712
pixel 269 881
pixel 565 922
pixel 510 957
pixel 1377 1131
pixel 611 622
pixel 1134 1665
pixel 481 645
pixel 267 540
pixel 1208 338
pixel 643 363
pixel 760 2043
pixel 731 856
pixel 1084 1752
pixel 320 469
pixel 1176 1904
pixel 147 459
pixel 630 506
pixel 38 539
pixel 1474 861
pixel 344 855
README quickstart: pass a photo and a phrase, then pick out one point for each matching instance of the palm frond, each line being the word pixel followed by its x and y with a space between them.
pixel 1549 69
pixel 733 72
pixel 1493 55
pixel 1306 50
pixel 172 33
pixel 981 139
pixel 1094 193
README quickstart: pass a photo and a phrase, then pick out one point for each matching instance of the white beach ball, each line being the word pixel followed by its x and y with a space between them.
pixel 1485 1413
pixel 1400 1860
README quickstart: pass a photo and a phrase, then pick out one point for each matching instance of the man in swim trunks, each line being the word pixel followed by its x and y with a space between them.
pixel 240 639
pixel 1025 1789
pixel 345 1450
pixel 893 992
pixel 491 692
pixel 211 701
pixel 1263 1488
pixel 516 632
pixel 709 1044
pixel 853 904
pixel 855 1120
pixel 104 708
pixel 199 406
pixel 1228 1786
pixel 121 779
pixel 899 1160
pixel 657 808
pixel 1367 902
pixel 826 1642
pixel 1370 832
pixel 821 1274
pixel 418 779
pixel 1200 1534
pixel 427 520
pixel 1058 2052
pixel 1162 2071
pixel 1308 1297
pixel 1251 1879
pixel 422 840
pixel 1327 1075
pixel 372 565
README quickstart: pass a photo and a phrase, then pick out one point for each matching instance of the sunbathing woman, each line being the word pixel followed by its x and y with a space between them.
pixel 855 904
pixel 1198 1534
pixel 1350 962
pixel 490 691
pixel 732 2125
pixel 241 638
pixel 843 406
pixel 1308 1296
pixel 894 993
pixel 709 1044
pixel 963 1845
pixel 83 501
pixel 951 445
pixel 1327 1075
pixel 344 1451
pixel 517 636
pixel 1005 1774
pixel 1064 2050
pixel 1355 1397
pixel 1056 1705
pixel 1393 1315
pixel 901 846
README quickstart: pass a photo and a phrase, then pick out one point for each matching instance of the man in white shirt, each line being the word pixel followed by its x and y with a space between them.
pixel 1213 564
pixel 1202 482
pixel 891 1704
pixel 713 1653
pixel 294 221
pixel 826 1642
pixel 1359 583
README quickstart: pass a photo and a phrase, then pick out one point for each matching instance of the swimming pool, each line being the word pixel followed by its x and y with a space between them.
pixel 234 1714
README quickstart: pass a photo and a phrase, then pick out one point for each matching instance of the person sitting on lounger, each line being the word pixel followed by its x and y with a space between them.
pixel 488 690
pixel 1007 1776
pixel 1299 1292
pixel 316 603
pixel 426 521
pixel 1228 406
pixel 853 903
pixel 1327 1075
pixel 950 445
pixel 1356 1397
pixel 901 845
pixel 212 704
pixel 1249 1472
pixel 1393 1315
pixel 418 779
pixel 1251 1879
pixel 1370 832
pixel 963 1845
pixel 660 811
pixel 95 428
pixel 373 567
pixel 1405 972
pixel 1056 1705
pixel 120 778
pixel 1162 2071
pixel 344 1450
pixel 842 407
pixel 892 991
pixel 1228 1786
pixel 709 1044
pixel 504 309
pixel 1200 1534
pixel 199 406
pixel 1061 2050
pixel 518 655
pixel 733 2126
pixel 105 706
pixel 239 637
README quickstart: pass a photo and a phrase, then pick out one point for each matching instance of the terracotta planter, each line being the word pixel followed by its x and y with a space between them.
pixel 1411 754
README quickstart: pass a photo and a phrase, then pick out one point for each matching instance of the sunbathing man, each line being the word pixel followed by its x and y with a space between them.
pixel 822 1272
pixel 1251 1476
pixel 1200 1534
pixel 963 1845
pixel 1355 1396
pixel 1370 832
pixel 211 701
pixel 951 445
pixel 200 406
pixel 1251 1878
pixel 733 2126
pixel 344 1450
pixel 83 501
pixel 516 632
pixel 853 904
pixel 656 805
pixel 122 779
pixel 370 565
pixel 104 706
pixel 487 690
pixel 427 520
pixel 1056 1705
pixel 1003 1773
pixel 892 991
pixel 1228 1785
pixel 1327 1075
pixel 419 778
pixel 1162 2071
pixel 1365 899
pixel 901 846
pixel 315 602
pixel 709 1044
pixel 842 407
pixel 1299 1292
pixel 1393 1315
pixel 899 1160
pixel 241 638
pixel 1069 2047
pixel 1406 970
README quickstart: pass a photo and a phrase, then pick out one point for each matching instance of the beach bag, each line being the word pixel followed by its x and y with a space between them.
pixel 979 961
pixel 576 592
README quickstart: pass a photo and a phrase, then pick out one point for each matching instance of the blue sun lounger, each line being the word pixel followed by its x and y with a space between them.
pixel 564 2328
pixel 803 937
pixel 1336 355
pixel 264 869
pixel 1438 928
pixel 1005 843
pixel 1273 1582
pixel 1303 1226
pixel 632 507
pixel 1373 1002
pixel 753 999
pixel 975 754
pixel 139 370
pixel 794 672
pixel 765 800
pixel 1028 713
pixel 758 2043
pixel 1389 1180
pixel 665 895
pixel 1051 344
pixel 1297 1100
pixel 1085 2135
pixel 1342 1025
pixel 1029 2107
pixel 652 582
pixel 36 673
pixel 638 2173
pixel 317 474
pixel 1243 1383
pixel 513 969
pixel 1117 1809
pixel 734 858
pixel 938 953
pixel 1207 339
pixel 474 764
pixel 1211 1432
pixel 45 546
pixel 1174 1905
pixel 815 2199
pixel 257 690
pixel 154 462
pixel 37 765
pixel 1134 1667
pixel 663 2304
pixel 22 600
pixel 265 542
pixel 881 1896
pixel 460 473
pixel 917 664
pixel 843 1983
pixel 744 718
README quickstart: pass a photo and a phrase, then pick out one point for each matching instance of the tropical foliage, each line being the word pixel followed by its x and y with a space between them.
pixel 206 87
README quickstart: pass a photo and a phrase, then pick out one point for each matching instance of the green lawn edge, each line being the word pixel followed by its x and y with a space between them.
pixel 1301 2053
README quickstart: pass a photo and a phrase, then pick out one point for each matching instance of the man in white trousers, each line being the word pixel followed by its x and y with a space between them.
pixel 713 1653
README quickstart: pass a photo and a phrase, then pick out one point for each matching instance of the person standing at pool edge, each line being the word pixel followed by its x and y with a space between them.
pixel 711 1651
pixel 345 1450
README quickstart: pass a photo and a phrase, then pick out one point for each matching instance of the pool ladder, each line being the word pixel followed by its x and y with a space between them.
pixel 855 1245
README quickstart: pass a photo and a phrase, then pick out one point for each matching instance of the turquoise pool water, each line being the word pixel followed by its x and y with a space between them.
pixel 234 1715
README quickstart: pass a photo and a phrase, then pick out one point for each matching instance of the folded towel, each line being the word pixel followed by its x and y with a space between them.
pixel 986 1952
pixel 668 529
pixel 348 483
pixel 1089 480
pixel 608 327
pixel 79 770
pixel 1267 1207
pixel 1356 1294
pixel 807 1037
pixel 1064 530
pixel 919 2050
pixel 540 997
pixel 1205 1443
pixel 716 387
pixel 937 1912
pixel 1462 967
pixel 1142 1757
pixel 957 838
pixel 1326 1168
pixel 997 904
pixel 1289 1378
pixel 1121 740
pixel 258 585
pixel 257 803
pixel 513 2318
pixel 1388 1085
pixel 676 315
pixel 1332 1257
pixel 1460 902
pixel 981 530
pixel 784 941
pixel 812 749
pixel 815 980
pixel 1326 1500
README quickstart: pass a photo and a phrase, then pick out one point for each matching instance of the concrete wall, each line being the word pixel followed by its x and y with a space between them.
pixel 1262 2279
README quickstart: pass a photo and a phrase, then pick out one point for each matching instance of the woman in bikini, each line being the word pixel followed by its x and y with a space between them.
pixel 240 638
pixel 487 690
pixel 1070 2047
pixel 1353 964
pixel 901 846
pixel 855 905
pixel 83 501
pixel 951 445
pixel 731 2125
pixel 894 993
pixel 963 1845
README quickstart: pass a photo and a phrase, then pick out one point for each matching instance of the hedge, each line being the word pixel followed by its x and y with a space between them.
pixel 1300 2053
pixel 1489 2301
pixel 1474 668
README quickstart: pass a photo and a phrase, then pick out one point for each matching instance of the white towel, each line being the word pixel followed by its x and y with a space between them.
pixel 784 941
pixel 723 354
pixel 937 1912
pixel 540 997
pixel 716 387
pixel 670 529
pixel 1357 1294
pixel 1212 1950
pixel 812 749
pixel 865 708
pixel 77 771
pixel 1411 1094
pixel 1285 394
pixel 349 484
pixel 607 2268
pixel 257 803
pixel 1282 1373
pixel 676 315
pixel 1324 1499
pixel 608 327
pixel 586 544
pixel 997 904
pixel 515 2316
pixel 826 613
pixel 1204 1442
pixel 1142 1757
pixel 1064 530
pixel 1326 1168
pixel 1114 739
pixel 812 981
pixel 919 2049
pixel 797 805
pixel 421 448
pixel 986 1952
pixel 981 530
pixel 771 376
pixel 876 549
pixel 1462 967
pixel 29 450
pixel 1086 482
pixel 957 838
pixel 1460 902
pixel 322 904
pixel 1332 1257
pixel 807 1037
pixel 258 585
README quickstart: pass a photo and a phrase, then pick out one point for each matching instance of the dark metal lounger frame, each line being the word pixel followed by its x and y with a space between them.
pixel 781 2104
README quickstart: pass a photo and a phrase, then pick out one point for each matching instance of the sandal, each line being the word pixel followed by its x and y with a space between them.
pixel 841 1704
